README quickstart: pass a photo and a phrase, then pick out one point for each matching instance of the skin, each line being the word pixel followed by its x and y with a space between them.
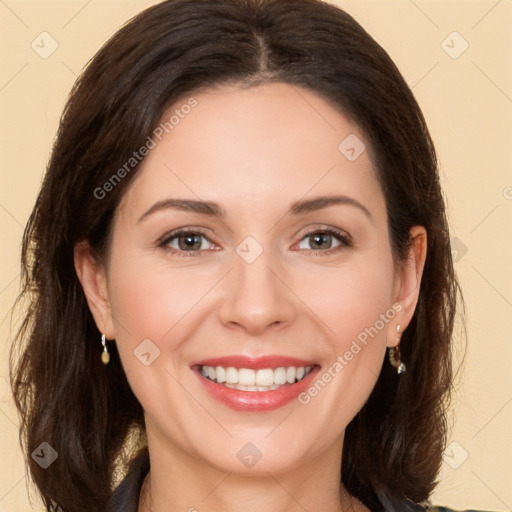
pixel 254 151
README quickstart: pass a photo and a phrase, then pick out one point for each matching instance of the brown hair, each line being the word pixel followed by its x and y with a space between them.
pixel 86 412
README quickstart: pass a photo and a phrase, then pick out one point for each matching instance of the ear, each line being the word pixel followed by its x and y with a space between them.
pixel 93 279
pixel 407 284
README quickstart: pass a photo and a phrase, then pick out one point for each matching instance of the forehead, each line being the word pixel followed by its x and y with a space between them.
pixel 253 148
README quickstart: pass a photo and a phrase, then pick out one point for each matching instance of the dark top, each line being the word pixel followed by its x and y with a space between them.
pixel 125 498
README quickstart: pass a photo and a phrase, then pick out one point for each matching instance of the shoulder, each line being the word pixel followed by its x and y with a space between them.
pixel 405 505
pixel 125 497
pixel 440 508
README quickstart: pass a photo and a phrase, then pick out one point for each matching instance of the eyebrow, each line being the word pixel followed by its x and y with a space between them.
pixel 212 209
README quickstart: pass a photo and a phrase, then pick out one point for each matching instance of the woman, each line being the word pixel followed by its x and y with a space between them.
pixel 241 215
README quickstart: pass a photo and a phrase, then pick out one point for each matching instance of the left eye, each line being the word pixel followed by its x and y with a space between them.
pixel 323 240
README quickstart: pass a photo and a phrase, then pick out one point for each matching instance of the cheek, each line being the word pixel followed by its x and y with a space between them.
pixel 151 304
pixel 352 298
pixel 156 310
pixel 148 297
pixel 355 309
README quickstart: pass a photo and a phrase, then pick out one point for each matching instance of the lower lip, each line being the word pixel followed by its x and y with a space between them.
pixel 256 401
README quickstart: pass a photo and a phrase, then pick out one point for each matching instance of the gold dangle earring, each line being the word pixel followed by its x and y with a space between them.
pixel 394 355
pixel 105 356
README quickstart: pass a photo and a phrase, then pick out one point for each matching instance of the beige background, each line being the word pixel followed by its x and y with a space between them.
pixel 467 100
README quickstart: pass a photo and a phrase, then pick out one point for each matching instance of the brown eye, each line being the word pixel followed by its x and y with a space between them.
pixel 189 242
pixel 186 242
pixel 321 241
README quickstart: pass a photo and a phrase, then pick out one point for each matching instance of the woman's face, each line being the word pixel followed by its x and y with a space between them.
pixel 267 270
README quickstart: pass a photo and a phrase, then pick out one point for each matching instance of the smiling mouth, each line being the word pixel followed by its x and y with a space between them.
pixel 261 380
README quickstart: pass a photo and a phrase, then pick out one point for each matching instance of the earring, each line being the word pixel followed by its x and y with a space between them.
pixel 105 356
pixel 394 355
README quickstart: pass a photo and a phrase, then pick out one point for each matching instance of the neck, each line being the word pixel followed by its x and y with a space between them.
pixel 345 502
pixel 180 482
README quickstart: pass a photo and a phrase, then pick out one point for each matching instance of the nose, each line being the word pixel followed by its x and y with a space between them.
pixel 256 296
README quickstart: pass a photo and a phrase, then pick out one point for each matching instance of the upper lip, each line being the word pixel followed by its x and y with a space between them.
pixel 255 363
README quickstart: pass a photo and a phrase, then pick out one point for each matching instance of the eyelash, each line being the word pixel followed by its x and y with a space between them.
pixel 342 237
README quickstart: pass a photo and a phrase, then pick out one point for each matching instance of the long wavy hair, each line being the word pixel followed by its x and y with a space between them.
pixel 88 413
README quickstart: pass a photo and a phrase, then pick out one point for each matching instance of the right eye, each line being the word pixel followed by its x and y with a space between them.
pixel 186 242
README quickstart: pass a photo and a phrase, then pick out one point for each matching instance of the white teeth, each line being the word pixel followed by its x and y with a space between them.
pixel 265 377
pixel 221 374
pixel 247 379
pixel 252 388
pixel 280 376
pixel 231 375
